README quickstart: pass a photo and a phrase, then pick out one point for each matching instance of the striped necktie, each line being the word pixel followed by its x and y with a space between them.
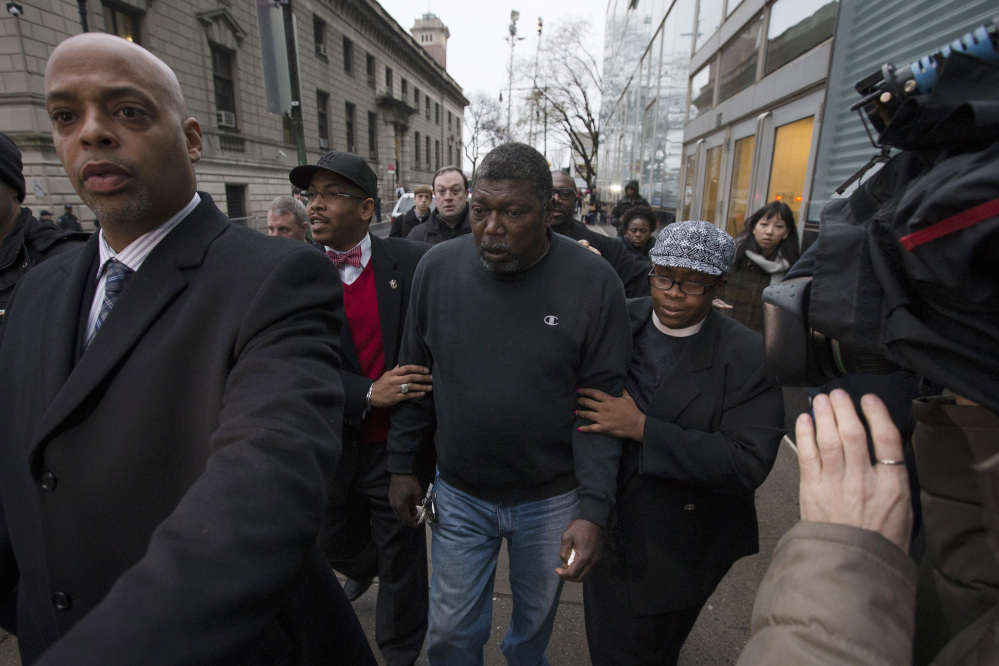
pixel 118 275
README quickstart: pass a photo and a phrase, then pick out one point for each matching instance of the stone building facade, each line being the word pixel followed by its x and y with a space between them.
pixel 366 85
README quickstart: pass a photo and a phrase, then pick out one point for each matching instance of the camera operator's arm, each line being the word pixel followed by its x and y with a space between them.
pixel 840 588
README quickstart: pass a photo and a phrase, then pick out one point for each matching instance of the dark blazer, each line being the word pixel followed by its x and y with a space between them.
pixel 163 489
pixel 685 506
pixel 633 270
pixel 393 261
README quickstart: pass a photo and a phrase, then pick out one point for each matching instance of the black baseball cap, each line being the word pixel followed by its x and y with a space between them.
pixel 352 167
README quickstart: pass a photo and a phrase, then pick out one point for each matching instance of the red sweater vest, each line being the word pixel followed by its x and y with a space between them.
pixel 360 304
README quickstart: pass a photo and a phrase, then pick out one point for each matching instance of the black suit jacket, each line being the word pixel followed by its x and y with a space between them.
pixel 685 507
pixel 394 262
pixel 632 269
pixel 163 490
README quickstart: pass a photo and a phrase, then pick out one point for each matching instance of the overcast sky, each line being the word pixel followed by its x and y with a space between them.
pixel 477 52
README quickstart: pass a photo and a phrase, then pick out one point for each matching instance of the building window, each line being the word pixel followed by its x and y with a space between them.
pixel 709 15
pixel 449 125
pixel 405 90
pixel 450 154
pixel 323 117
pixel 416 98
pixel 702 90
pixel 348 56
pixel 319 36
pixel 428 152
pixel 796 27
pixel 235 203
pixel 225 88
pixel 349 120
pixel 373 135
pixel 428 113
pixel 437 154
pixel 738 195
pixel 417 150
pixel 737 70
pixel 371 70
pixel 437 113
pixel 123 23
pixel 388 81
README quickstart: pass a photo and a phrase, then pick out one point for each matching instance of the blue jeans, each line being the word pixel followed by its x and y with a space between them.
pixel 464 549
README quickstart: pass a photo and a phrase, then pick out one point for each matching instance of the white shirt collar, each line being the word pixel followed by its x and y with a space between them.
pixel 350 273
pixel 676 332
pixel 136 252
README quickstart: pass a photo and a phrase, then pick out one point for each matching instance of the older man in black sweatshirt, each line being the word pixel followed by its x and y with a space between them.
pixel 511 321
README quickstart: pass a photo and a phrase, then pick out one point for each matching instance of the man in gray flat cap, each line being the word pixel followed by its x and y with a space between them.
pixel 701 430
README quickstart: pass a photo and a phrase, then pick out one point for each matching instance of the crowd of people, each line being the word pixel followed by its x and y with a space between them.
pixel 208 422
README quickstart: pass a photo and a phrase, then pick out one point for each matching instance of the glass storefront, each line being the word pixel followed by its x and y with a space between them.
pixel 792 147
pixel 702 90
pixel 712 181
pixel 738 194
pixel 709 18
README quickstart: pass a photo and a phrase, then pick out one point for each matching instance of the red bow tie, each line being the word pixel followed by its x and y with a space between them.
pixel 353 257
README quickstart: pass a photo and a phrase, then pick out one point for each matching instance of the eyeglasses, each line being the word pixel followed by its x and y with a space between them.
pixel 565 193
pixel 311 197
pixel 687 287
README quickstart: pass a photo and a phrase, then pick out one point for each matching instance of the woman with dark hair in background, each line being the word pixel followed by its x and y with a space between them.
pixel 638 224
pixel 766 248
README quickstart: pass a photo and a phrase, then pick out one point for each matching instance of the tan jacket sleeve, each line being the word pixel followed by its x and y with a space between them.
pixel 834 595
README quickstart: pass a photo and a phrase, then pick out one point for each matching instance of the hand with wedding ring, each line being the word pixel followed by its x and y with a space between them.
pixel 403 382
pixel 838 482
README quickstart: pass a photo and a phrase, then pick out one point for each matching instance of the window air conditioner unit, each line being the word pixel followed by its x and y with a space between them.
pixel 321 50
pixel 324 144
pixel 227 119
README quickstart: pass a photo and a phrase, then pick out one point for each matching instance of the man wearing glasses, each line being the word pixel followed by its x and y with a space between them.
pixel 450 218
pixel 701 430
pixel 376 275
pixel 629 268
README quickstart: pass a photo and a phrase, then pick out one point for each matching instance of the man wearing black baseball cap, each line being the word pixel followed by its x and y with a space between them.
pixel 24 241
pixel 340 191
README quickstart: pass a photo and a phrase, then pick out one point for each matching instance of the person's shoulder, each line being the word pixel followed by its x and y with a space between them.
pixel 735 338
pixel 583 260
pixel 419 232
pixel 404 247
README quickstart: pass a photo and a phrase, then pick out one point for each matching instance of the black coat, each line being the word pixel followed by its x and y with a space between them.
pixel 393 261
pixel 434 231
pixel 403 224
pixel 29 242
pixel 162 491
pixel 685 502
pixel 633 270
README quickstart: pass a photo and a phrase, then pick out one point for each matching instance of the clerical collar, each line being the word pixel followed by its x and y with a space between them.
pixel 676 332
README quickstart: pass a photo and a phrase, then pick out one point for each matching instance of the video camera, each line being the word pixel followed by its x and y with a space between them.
pixel 904 271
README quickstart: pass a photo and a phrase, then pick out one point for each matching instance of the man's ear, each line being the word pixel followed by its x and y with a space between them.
pixel 367 209
pixel 192 132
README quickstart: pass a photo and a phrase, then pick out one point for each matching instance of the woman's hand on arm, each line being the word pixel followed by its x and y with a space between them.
pixel 618 417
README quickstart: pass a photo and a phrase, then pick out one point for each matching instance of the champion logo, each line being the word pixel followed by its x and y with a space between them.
pixel 551 320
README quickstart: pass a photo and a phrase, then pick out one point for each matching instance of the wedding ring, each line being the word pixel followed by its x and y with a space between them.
pixel 891 462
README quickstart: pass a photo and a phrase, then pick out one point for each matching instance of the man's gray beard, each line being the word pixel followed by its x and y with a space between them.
pixel 511 265
pixel 120 212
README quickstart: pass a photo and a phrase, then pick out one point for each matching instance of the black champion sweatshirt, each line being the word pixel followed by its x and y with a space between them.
pixel 507 354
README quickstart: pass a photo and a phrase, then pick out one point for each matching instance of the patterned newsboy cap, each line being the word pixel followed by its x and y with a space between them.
pixel 700 246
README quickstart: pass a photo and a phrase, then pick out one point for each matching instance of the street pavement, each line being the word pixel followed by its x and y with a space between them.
pixel 721 630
